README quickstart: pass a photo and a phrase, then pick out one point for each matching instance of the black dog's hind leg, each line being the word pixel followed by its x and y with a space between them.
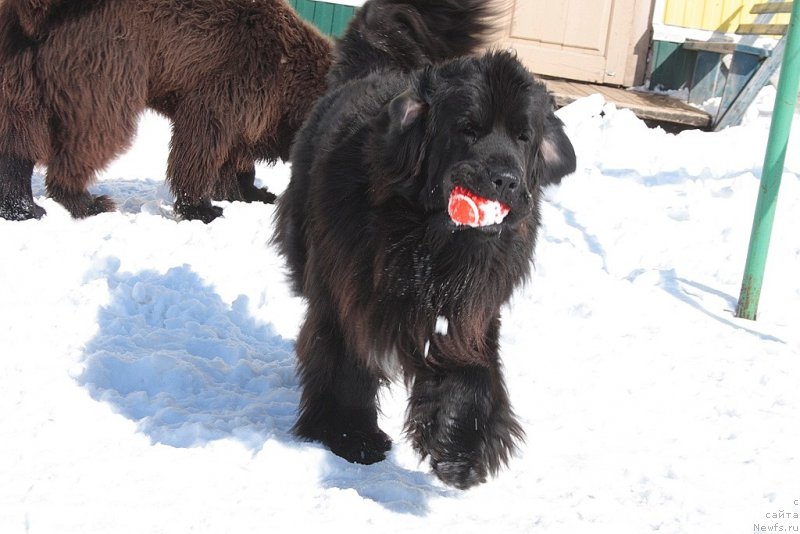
pixel 339 400
pixel 16 196
pixel 461 418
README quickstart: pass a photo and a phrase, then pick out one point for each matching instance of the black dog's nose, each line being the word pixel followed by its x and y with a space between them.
pixel 505 182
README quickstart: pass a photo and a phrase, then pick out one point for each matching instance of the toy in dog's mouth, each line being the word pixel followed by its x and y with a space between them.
pixel 468 209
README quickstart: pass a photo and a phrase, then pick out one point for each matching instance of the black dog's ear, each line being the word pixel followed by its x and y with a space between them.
pixel 403 141
pixel 405 109
pixel 556 156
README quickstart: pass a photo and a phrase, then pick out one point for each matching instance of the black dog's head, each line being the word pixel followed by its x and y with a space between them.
pixel 483 125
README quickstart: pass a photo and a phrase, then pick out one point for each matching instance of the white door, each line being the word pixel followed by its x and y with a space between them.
pixel 601 41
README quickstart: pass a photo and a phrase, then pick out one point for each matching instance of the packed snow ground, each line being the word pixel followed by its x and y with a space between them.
pixel 147 376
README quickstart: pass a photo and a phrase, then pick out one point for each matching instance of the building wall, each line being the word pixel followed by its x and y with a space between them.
pixel 674 21
pixel 714 15
pixel 330 17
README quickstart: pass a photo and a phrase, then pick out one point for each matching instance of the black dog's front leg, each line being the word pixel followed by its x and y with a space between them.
pixel 339 401
pixel 462 419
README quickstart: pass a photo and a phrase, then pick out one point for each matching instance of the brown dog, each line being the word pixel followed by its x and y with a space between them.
pixel 236 77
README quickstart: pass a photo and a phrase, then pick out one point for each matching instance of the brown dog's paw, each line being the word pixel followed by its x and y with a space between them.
pixel 37 212
pixel 101 204
pixel 84 205
pixel 258 194
pixel 20 210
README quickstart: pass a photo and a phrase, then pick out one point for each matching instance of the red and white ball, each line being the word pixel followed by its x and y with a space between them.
pixel 468 209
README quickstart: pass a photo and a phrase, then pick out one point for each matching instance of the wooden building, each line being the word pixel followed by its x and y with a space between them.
pixel 615 42
pixel 612 43
pixel 675 21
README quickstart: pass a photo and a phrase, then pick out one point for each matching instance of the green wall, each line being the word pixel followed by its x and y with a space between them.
pixel 331 19
pixel 671 65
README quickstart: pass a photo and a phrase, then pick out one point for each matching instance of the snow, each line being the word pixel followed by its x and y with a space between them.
pixel 147 372
pixel 442 325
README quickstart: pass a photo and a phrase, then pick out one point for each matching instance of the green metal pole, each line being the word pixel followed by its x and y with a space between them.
pixel 780 128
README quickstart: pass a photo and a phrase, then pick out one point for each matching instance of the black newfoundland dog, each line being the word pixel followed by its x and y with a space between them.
pixel 410 219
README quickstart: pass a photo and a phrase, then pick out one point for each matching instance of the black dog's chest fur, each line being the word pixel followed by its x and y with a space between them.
pixel 392 269
pixel 460 286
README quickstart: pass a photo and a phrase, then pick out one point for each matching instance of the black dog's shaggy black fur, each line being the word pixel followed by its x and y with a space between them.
pixel 393 286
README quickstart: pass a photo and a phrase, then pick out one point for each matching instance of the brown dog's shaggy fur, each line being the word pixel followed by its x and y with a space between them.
pixel 236 77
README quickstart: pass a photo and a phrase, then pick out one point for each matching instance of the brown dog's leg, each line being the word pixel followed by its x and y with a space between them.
pixel 16 197
pixel 237 180
pixel 87 134
pixel 66 183
pixel 248 189
pixel 200 146
pixel 227 185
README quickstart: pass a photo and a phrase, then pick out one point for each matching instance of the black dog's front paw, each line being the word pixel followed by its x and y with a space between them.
pixel 464 455
pixel 352 434
pixel 360 447
pixel 461 472
pixel 462 421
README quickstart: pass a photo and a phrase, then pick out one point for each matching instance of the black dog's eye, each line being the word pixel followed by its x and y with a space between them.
pixel 470 132
pixel 524 136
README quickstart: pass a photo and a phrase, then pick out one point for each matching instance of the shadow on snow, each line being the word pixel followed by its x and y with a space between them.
pixel 189 368
pixel 691 293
